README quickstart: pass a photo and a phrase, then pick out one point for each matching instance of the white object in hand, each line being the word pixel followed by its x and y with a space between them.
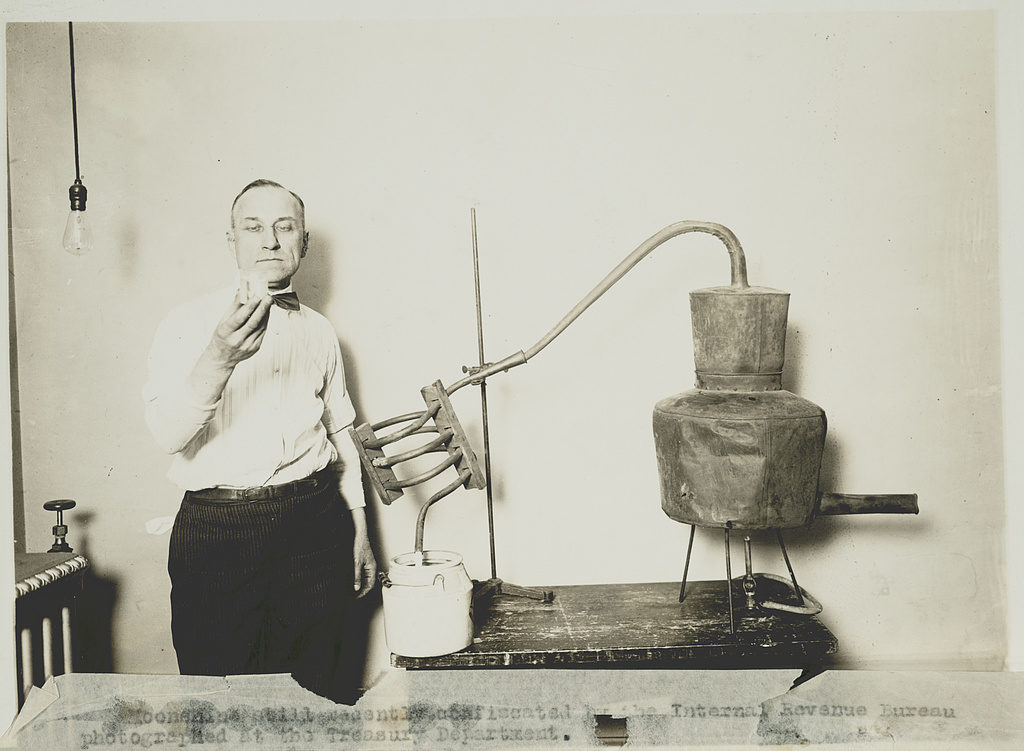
pixel 252 286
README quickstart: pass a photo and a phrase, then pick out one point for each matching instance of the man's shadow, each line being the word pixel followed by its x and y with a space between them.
pixel 313 285
pixel 94 610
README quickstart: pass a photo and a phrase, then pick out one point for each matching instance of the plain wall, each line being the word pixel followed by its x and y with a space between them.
pixel 8 650
pixel 853 154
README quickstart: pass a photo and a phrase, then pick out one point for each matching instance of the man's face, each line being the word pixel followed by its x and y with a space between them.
pixel 268 235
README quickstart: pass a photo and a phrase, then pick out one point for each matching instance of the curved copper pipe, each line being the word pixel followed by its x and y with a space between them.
pixel 421 519
pixel 433 472
pixel 426 448
pixel 422 418
pixel 738 269
pixel 395 420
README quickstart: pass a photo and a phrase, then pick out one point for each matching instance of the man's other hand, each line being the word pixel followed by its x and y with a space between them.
pixel 365 568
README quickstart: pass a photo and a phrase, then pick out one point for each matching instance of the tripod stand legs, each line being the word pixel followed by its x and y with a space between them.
pixel 686 568
pixel 796 587
pixel 749 578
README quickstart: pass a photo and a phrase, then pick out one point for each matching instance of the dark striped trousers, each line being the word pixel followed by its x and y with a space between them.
pixel 264 587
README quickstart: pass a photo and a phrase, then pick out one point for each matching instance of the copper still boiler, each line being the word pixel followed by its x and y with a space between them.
pixel 739 450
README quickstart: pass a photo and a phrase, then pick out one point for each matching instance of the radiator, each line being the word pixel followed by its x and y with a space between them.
pixel 46 588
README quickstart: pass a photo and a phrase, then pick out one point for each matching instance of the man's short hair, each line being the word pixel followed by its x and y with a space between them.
pixel 264 183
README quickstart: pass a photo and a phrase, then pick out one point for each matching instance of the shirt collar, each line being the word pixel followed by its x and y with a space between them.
pixel 238 286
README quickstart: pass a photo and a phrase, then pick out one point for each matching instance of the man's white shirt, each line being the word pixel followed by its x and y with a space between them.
pixel 275 419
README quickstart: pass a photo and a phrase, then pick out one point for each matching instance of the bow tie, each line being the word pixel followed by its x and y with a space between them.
pixel 286 300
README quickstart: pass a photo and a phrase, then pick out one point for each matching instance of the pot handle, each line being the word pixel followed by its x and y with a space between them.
pixel 434 583
pixel 846 503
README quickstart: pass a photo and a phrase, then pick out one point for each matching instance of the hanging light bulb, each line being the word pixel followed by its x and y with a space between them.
pixel 77 236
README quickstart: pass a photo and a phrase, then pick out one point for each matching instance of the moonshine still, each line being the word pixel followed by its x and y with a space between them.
pixel 737 453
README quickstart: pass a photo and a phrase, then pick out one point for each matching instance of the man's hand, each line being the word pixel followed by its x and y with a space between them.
pixel 365 568
pixel 240 332
pixel 237 337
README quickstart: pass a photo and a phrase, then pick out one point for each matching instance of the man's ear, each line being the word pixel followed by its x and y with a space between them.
pixel 305 244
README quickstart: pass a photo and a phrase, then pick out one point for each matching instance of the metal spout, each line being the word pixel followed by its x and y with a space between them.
pixel 832 504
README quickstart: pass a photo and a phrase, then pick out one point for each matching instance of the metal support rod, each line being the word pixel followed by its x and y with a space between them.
pixel 686 566
pixel 796 587
pixel 728 582
pixel 483 396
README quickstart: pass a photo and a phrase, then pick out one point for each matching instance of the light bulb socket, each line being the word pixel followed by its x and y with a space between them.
pixel 77 193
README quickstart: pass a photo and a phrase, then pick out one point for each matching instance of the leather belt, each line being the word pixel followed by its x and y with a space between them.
pixel 311 484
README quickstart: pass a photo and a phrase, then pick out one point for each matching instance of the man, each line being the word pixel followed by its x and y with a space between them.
pixel 247 390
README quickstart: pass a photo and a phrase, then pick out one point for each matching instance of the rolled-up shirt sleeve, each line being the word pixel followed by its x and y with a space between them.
pixel 338 416
pixel 338 410
pixel 174 414
pixel 348 468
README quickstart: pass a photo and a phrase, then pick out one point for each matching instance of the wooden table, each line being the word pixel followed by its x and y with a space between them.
pixel 637 625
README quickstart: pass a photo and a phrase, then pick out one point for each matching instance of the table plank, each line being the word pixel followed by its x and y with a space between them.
pixel 637 624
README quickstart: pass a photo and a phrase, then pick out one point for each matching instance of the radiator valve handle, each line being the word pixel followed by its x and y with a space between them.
pixel 60 530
